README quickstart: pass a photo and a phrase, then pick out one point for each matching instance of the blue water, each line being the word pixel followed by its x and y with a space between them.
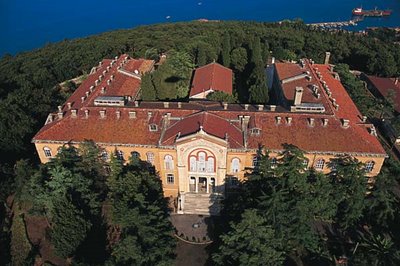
pixel 25 25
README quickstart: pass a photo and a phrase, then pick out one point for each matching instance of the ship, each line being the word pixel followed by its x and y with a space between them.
pixel 359 11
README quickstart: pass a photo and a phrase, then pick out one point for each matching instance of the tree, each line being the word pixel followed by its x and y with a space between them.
pixel 250 242
pixel 239 58
pixel 226 50
pixel 20 246
pixel 70 227
pixel 140 211
pixel 148 92
pixel 220 96
pixel 257 82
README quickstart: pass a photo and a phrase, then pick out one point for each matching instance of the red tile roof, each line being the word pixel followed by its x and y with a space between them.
pixel 186 118
pixel 210 123
pixel 384 86
pixel 212 76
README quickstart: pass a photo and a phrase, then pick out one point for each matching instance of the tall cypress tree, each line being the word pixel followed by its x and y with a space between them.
pixel 257 82
pixel 226 50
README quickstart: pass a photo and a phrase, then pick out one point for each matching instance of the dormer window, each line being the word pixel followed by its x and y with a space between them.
pixel 255 131
pixel 153 127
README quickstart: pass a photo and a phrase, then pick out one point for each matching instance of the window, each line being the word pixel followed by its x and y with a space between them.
pixel 201 164
pixel 104 155
pixel 255 131
pixel 170 179
pixel 168 162
pixel 47 151
pixel 305 163
pixel 150 157
pixel 192 164
pixel 369 166
pixel 255 161
pixel 210 165
pixel 235 165
pixel 120 155
pixel 320 164
pixel 273 162
pixel 153 127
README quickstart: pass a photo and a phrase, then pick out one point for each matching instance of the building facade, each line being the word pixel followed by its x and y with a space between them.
pixel 201 147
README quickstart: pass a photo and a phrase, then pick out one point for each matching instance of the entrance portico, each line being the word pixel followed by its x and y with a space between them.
pixel 202 171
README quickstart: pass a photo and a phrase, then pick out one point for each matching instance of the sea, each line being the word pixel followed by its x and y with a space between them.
pixel 27 25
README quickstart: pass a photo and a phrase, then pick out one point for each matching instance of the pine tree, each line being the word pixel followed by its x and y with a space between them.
pixel 70 227
pixel 140 211
pixel 250 242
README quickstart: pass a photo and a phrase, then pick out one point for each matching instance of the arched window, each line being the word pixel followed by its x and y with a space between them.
pixel 120 155
pixel 104 155
pixel 150 157
pixel 235 165
pixel 192 164
pixel 135 155
pixel 47 152
pixel 319 165
pixel 369 166
pixel 201 164
pixel 210 165
pixel 168 162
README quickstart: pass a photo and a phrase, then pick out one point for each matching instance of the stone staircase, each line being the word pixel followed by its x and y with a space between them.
pixel 203 204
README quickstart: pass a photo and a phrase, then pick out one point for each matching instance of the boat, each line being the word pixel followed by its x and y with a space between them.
pixel 359 11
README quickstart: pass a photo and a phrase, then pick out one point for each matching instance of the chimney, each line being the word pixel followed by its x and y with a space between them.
pixel 100 63
pixel 325 122
pixel 83 98
pixel 225 106
pixel 396 81
pixel 308 77
pixel 289 120
pixel 91 88
pixel 327 57
pixel 273 60
pixel 108 68
pixel 345 123
pixel 69 105
pixel 86 114
pixel 73 113
pixel 179 105
pixel 311 122
pixel 278 120
pixel 246 107
pixel 118 114
pixel 364 119
pixel 87 94
pixel 298 95
pixel 260 107
pixel 108 82
pixel 100 77
pixel 59 108
pixel 244 121
pixel 166 104
pixel 112 77
pixel 116 57
pixel 103 90
pixel 132 114
pixel 373 131
pixel 60 115
pixel 104 72
pixel 96 82
pixel 272 108
pixel 136 103
pixel 149 114
pixel 102 114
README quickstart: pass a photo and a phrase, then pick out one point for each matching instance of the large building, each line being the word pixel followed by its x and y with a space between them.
pixel 200 147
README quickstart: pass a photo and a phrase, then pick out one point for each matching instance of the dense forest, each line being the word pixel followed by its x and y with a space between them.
pixel 29 90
